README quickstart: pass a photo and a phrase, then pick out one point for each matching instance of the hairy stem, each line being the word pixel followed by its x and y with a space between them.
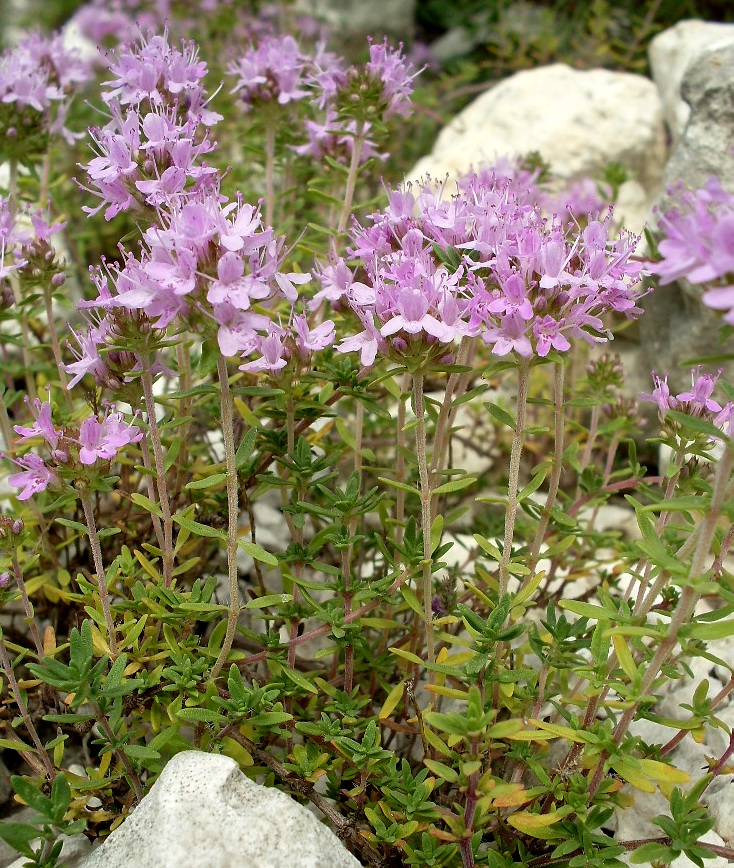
pixel 420 446
pixel 357 146
pixel 160 469
pixel 56 348
pixel 518 440
pixel 88 506
pixel 558 419
pixel 18 697
pixel 232 515
pixel 269 172
pixel 27 608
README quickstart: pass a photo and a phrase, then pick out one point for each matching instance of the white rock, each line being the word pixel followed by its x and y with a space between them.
pixel 671 52
pixel 720 802
pixel 579 121
pixel 202 812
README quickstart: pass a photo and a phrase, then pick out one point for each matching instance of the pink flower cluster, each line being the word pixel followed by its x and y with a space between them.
pixel 698 244
pixel 151 150
pixel 697 401
pixel 207 262
pixel 41 74
pixel 25 245
pixel 486 262
pixel 97 439
pixel 276 70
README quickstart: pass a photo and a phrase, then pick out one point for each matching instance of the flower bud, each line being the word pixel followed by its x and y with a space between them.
pixel 59 279
pixel 4 580
pixel 17 526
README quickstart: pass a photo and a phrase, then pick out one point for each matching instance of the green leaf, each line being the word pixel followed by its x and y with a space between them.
pixel 587 610
pixel 258 553
pixel 403 486
pixel 698 426
pixel 19 836
pixel 31 796
pixel 441 770
pixel 197 528
pixel 207 482
pixel 147 504
pixel 436 531
pixel 298 679
pixel 533 485
pixel 454 485
pixel 74 525
pixel 246 448
pixel 717 630
pixel 501 415
pixel 200 715
pixel 269 600
pixel 143 751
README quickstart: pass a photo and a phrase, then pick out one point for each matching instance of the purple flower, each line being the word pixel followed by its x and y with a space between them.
pixel 273 352
pixel 483 261
pixel 309 340
pixel 388 66
pixel 43 426
pixel 274 70
pixel 34 476
pixel 104 438
pixel 699 398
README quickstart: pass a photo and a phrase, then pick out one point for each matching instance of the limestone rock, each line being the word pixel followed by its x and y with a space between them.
pixel 670 54
pixel 602 117
pixel 202 812
pixel 676 325
pixel 720 801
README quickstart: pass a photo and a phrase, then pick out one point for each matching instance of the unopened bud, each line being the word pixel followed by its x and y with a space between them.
pixel 17 526
pixel 58 280
pixel 11 132
pixel 4 580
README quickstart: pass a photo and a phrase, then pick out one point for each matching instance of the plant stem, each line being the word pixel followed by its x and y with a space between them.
pixel 146 376
pixel 558 419
pixel 121 755
pixel 18 697
pixel 232 515
pixel 15 286
pixel 347 553
pixel 357 145
pixel 512 486
pixel 87 505
pixel 455 388
pixel 56 348
pixel 400 462
pixel 688 598
pixel 28 609
pixel 296 530
pixel 269 172
pixel 420 446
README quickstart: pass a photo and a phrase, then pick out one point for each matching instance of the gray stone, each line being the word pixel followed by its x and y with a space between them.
pixel 603 117
pixel 676 326
pixel 720 802
pixel 202 812
pixel 670 54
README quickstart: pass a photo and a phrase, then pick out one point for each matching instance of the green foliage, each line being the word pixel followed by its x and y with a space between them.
pixel 510 744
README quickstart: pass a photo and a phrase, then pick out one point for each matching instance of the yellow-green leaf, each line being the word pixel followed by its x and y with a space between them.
pixel 392 700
